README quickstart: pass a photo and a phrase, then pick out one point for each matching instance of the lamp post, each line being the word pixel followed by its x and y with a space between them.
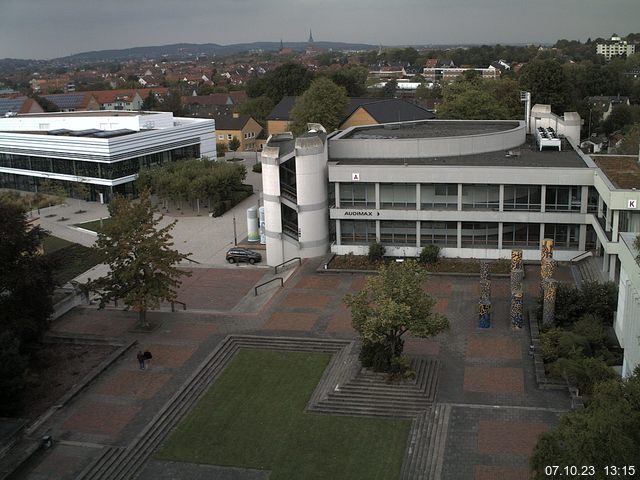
pixel 235 237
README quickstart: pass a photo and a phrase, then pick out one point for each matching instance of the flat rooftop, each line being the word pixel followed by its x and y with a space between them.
pixel 527 155
pixel 430 129
pixel 622 170
pixel 88 113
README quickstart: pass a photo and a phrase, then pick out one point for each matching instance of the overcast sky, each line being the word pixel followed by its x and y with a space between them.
pixel 53 28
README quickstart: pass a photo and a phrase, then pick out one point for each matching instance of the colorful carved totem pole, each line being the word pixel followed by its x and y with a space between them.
pixel 517 291
pixel 484 306
pixel 549 301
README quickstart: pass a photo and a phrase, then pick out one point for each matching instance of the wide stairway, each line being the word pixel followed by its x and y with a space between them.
pixel 588 269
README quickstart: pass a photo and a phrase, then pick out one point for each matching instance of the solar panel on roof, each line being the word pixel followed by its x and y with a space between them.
pixel 59 131
pixel 84 133
pixel 11 104
pixel 71 100
pixel 113 133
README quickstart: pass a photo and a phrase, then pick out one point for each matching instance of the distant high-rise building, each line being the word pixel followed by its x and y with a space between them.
pixel 615 47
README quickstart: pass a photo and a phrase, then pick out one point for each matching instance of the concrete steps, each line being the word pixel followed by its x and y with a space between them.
pixel 425 451
pixel 124 464
pixel 370 394
pixel 589 270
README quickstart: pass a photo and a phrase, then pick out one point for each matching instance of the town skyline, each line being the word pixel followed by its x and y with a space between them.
pixel 73 27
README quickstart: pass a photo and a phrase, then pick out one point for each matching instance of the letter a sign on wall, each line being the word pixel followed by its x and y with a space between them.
pixel 355 177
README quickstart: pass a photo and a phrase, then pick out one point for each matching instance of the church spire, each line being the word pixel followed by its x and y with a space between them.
pixel 310 37
pixel 281 45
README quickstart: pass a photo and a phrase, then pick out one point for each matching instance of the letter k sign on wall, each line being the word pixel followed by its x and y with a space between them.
pixel 355 177
pixel 632 204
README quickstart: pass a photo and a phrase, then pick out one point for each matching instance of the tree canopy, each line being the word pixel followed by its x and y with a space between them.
pixel 289 79
pixel 143 268
pixel 606 432
pixel 324 102
pixel 471 98
pixel 220 183
pixel 394 303
pixel 546 81
pixel 257 108
pixel 26 285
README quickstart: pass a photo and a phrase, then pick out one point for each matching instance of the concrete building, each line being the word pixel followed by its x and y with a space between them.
pixel 615 47
pixel 475 188
pixel 104 149
pixel 627 323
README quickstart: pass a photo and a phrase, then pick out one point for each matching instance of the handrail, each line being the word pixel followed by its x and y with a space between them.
pixel 275 269
pixel 193 261
pixel 255 290
pixel 586 254
pixel 173 306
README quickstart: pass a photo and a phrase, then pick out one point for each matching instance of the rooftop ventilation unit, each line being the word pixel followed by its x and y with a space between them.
pixel 547 137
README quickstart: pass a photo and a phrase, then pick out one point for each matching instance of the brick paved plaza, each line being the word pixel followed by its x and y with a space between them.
pixel 486 375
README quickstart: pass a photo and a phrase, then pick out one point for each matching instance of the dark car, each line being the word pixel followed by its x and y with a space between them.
pixel 238 254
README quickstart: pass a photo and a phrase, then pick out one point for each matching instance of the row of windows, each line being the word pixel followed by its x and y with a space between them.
pixel 445 234
pixel 474 197
pixel 109 171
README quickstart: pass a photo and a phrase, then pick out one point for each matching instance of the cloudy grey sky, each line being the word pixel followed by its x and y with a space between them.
pixel 53 28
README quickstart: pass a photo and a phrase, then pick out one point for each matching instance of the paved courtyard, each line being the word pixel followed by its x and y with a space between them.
pixel 486 375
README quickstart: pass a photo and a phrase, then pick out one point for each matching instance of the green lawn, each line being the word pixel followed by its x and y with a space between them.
pixel 69 259
pixel 93 225
pixel 253 417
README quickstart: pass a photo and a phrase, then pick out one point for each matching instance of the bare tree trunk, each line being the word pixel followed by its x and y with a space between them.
pixel 142 319
pixel 198 204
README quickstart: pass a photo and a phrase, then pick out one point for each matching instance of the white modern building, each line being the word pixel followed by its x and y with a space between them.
pixel 475 188
pixel 627 323
pixel 615 47
pixel 104 149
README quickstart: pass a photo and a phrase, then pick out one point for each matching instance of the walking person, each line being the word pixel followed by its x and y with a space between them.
pixel 147 357
pixel 140 358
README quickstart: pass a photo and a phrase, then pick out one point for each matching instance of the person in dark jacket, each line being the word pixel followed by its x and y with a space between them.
pixel 140 358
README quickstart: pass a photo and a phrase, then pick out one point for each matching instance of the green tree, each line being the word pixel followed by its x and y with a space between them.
pixel 392 304
pixel 546 81
pixel 234 144
pixel 470 99
pixel 606 432
pixel 353 78
pixel 289 79
pixel 389 89
pixel 26 281
pixel 324 102
pixel 258 109
pixel 151 102
pixel 13 367
pixel 142 264
pixel 221 149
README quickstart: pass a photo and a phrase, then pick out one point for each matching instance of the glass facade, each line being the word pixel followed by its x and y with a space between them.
pixel 480 197
pixel 441 196
pixel 357 195
pixel 398 232
pixel 443 234
pixel 520 235
pixel 563 199
pixel 105 170
pixel 481 235
pixel 398 196
pixel 563 236
pixel 522 197
pixel 357 232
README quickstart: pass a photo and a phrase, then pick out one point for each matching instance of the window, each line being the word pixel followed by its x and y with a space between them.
pixel 357 232
pixel 398 233
pixel 520 235
pixel 563 236
pixel 484 235
pixel 562 199
pixel 357 195
pixel 398 195
pixel 229 136
pixel 439 196
pixel 480 197
pixel 443 234
pixel 87 169
pixel 592 200
pixel 220 137
pixel 522 197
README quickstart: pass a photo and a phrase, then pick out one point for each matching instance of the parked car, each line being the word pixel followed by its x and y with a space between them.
pixel 239 254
